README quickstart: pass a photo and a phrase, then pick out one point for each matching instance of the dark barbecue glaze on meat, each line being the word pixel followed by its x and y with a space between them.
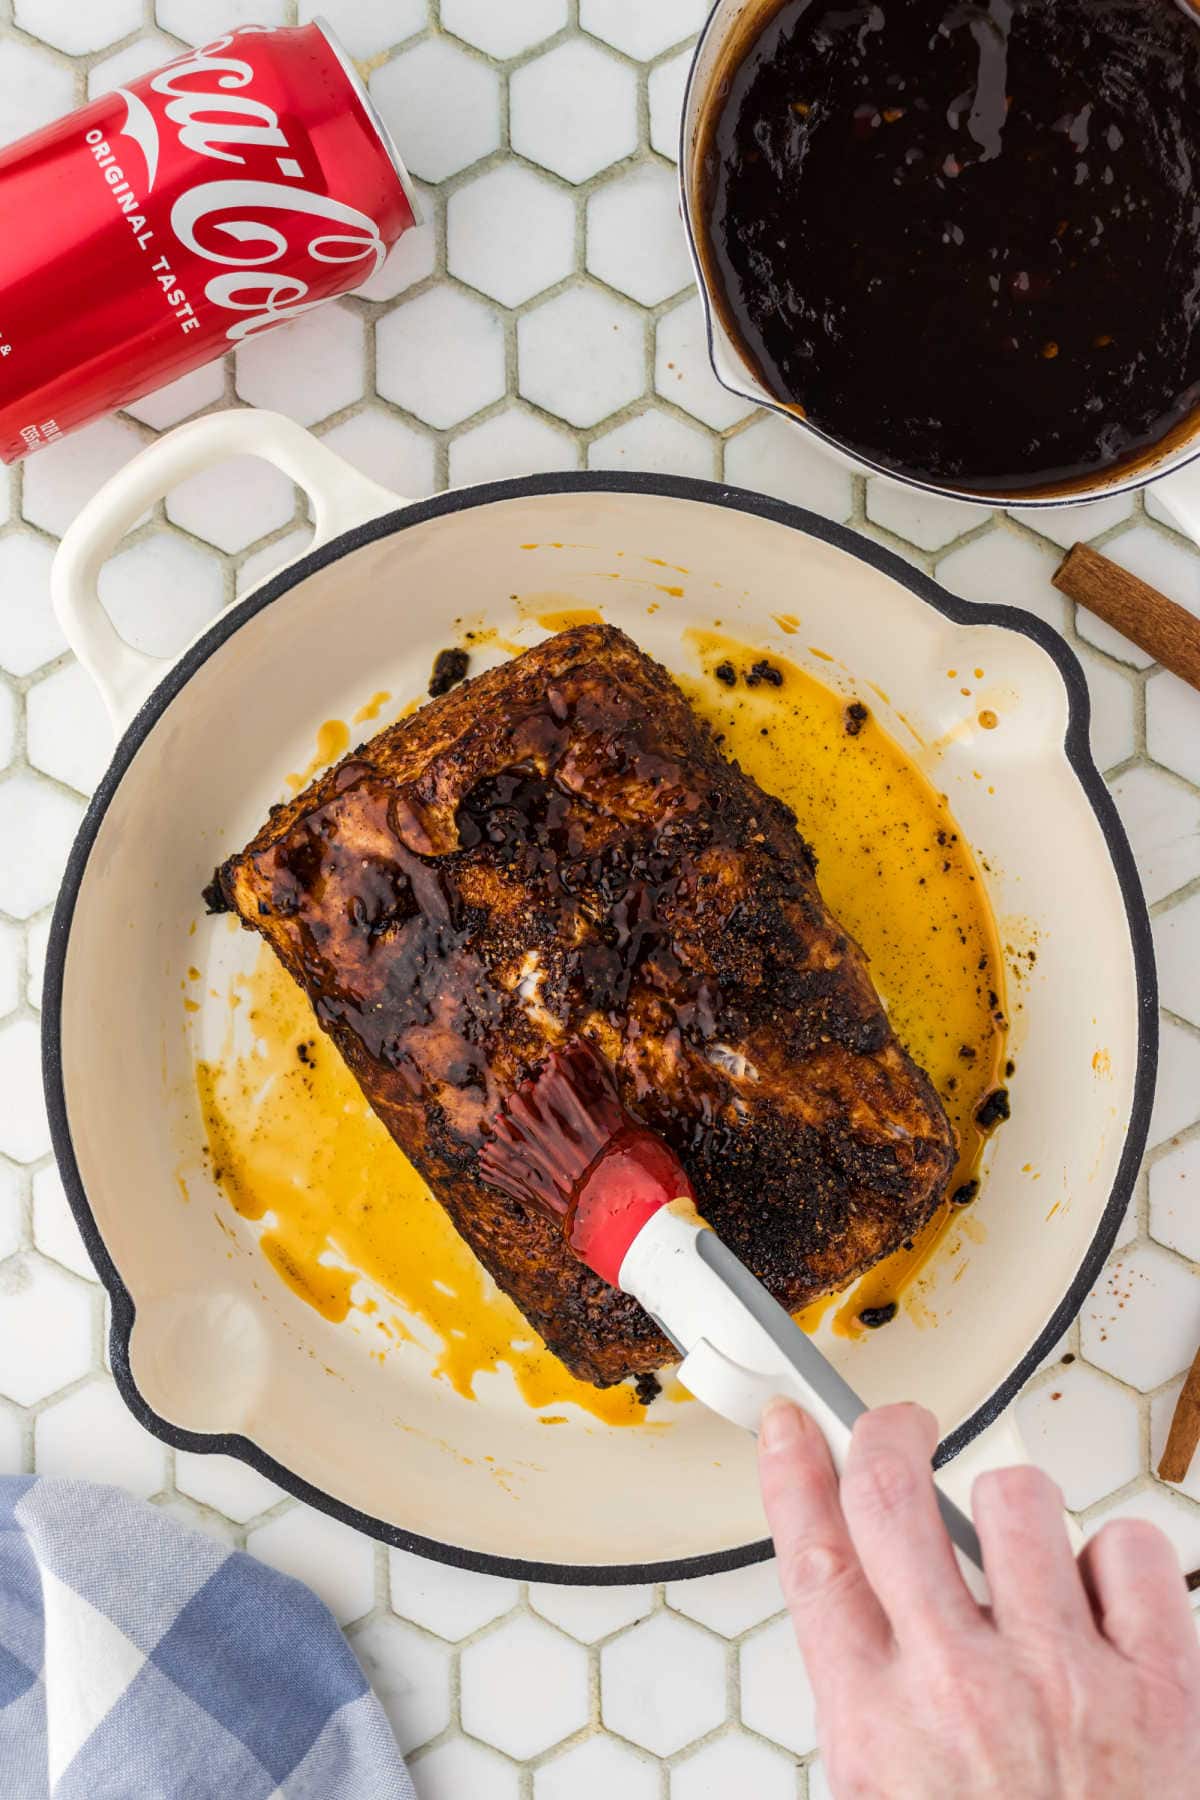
pixel 559 847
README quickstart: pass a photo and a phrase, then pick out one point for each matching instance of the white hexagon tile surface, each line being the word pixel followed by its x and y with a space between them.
pixel 542 318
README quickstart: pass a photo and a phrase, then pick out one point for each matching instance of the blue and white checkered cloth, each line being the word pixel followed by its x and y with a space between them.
pixel 142 1661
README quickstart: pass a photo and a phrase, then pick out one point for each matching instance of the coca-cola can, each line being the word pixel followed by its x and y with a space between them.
pixel 177 217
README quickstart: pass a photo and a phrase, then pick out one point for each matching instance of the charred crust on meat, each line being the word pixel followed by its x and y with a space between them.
pixel 556 846
pixel 647 1387
pixel 449 668
pixel 213 895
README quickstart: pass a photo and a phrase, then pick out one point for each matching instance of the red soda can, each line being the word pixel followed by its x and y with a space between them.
pixel 174 218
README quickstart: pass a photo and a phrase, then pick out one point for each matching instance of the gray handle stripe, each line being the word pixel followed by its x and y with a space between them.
pixel 815 1369
pixel 961 1531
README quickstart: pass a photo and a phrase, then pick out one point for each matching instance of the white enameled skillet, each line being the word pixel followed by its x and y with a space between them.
pixel 213 1352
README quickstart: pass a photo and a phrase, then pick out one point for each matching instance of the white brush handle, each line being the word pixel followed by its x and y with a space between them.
pixel 740 1348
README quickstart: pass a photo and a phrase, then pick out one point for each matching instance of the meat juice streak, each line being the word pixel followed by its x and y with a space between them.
pixel 963 239
pixel 291 1138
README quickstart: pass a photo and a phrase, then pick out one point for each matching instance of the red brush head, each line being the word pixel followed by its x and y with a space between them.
pixel 564 1143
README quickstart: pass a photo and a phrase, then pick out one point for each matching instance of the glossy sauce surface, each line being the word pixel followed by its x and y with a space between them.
pixel 293 1142
pixel 964 239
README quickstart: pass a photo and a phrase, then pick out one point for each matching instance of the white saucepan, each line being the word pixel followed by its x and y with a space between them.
pixel 211 1350
pixel 729 31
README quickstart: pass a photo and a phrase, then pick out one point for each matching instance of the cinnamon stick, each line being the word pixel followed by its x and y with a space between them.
pixel 1184 1434
pixel 1165 631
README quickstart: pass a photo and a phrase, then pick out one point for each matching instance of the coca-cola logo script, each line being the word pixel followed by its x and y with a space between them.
pixel 241 222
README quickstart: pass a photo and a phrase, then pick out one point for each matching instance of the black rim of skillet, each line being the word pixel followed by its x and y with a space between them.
pixel 735 500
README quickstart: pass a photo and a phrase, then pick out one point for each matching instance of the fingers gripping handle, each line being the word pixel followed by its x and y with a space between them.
pixel 740 1348
pixel 340 496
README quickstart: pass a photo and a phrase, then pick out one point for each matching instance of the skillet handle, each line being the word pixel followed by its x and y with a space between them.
pixel 1000 1446
pixel 341 498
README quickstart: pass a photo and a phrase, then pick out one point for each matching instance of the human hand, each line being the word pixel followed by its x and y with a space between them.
pixel 1081 1682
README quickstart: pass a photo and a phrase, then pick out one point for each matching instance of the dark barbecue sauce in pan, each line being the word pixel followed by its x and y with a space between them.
pixel 964 238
